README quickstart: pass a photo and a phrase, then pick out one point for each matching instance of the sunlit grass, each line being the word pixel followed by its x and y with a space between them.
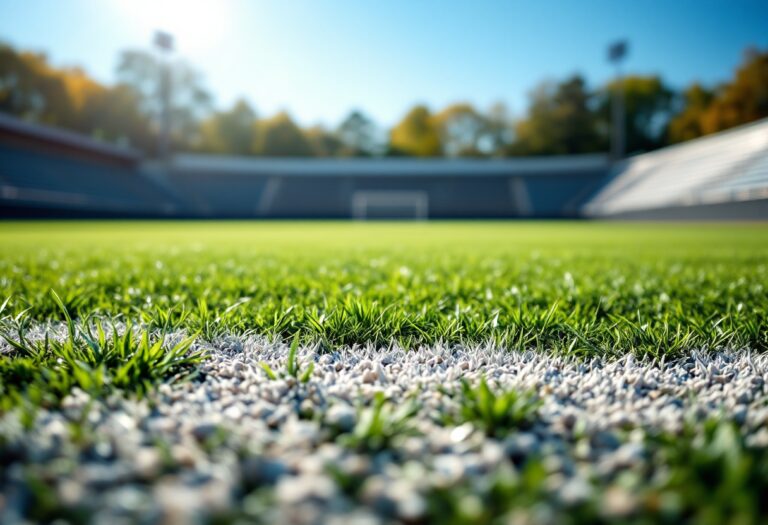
pixel 94 358
pixel 579 288
pixel 497 412
pixel 112 308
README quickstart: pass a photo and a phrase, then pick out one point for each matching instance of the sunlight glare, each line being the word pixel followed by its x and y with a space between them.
pixel 194 24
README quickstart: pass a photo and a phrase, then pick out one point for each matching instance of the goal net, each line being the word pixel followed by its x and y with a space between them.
pixel 390 205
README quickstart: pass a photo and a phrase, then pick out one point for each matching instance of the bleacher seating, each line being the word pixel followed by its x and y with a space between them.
pixel 204 194
pixel 724 168
pixel 49 172
pixel 221 186
pixel 35 179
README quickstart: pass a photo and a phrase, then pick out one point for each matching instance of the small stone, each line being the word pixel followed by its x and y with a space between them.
pixel 234 412
pixel 184 456
pixel 739 414
pixel 618 503
pixel 148 463
pixel 341 416
pixel 204 431
pixel 449 468
pixel 521 444
pixel 574 491
pixel 462 432
pixel 260 470
pixel 299 489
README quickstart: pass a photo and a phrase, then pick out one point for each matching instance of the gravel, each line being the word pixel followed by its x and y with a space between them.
pixel 232 444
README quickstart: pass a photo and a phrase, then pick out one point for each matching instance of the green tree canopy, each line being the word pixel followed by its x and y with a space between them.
pixel 279 136
pixel 688 123
pixel 462 129
pixel 358 136
pixel 563 117
pixel 190 102
pixel 231 132
pixel 323 142
pixel 501 130
pixel 648 104
pixel 744 99
pixel 32 89
pixel 416 134
pixel 560 121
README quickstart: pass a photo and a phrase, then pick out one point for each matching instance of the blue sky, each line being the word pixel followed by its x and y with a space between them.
pixel 320 58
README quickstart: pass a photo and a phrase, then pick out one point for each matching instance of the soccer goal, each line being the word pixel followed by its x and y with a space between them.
pixel 390 205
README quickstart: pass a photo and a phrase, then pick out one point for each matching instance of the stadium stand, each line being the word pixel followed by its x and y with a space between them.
pixel 50 172
pixel 385 187
pixel 721 176
pixel 46 172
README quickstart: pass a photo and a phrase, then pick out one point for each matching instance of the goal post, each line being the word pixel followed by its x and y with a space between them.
pixel 383 204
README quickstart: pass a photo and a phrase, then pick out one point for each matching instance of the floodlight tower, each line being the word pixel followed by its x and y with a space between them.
pixel 616 54
pixel 164 44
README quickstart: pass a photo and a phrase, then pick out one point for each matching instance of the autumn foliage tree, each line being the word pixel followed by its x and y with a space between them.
pixel 561 120
pixel 279 136
pixel 648 105
pixel 688 123
pixel 462 129
pixel 230 132
pixel 358 136
pixel 563 117
pixel 740 101
pixel 190 102
pixel 416 134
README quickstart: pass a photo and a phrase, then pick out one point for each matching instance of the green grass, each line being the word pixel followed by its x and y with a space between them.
pixel 497 412
pixel 116 291
pixel 580 288
pixel 92 357
pixel 381 423
pixel 292 367
pixel 707 475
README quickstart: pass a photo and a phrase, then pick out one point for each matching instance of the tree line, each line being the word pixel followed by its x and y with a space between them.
pixel 563 117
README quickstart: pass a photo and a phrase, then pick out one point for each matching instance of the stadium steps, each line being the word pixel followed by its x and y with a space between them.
pixel 61 182
pixel 217 194
pixel 726 167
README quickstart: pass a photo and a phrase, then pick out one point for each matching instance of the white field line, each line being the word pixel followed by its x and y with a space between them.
pixel 592 424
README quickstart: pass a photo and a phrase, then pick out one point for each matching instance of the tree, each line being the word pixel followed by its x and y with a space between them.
pixel 190 101
pixel 358 136
pixel 31 89
pixel 279 136
pixel 560 121
pixel 648 104
pixel 416 134
pixel 462 130
pixel 323 143
pixel 744 99
pixel 688 123
pixel 231 132
pixel 113 114
pixel 500 129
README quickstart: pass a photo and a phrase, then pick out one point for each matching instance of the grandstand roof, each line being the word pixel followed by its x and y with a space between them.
pixel 59 139
pixel 406 167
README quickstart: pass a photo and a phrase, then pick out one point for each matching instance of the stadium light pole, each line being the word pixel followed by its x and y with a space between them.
pixel 616 54
pixel 164 43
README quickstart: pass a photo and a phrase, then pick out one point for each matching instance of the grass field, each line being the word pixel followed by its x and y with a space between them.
pixel 135 311
pixel 576 288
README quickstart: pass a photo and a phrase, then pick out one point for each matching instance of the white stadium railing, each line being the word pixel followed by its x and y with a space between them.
pixel 730 166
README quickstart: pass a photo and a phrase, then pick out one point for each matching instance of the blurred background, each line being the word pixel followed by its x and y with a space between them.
pixel 412 110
